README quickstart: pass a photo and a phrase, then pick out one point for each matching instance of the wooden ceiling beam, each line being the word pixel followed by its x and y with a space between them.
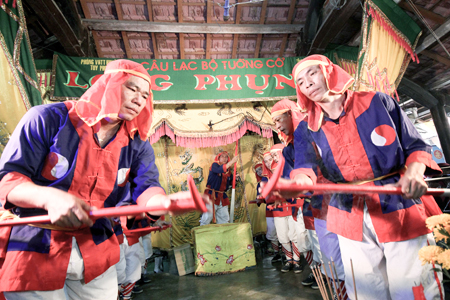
pixel 139 26
pixel 97 44
pixel 417 93
pixel 209 20
pixel 126 42
pixel 289 21
pixel 180 20
pixel 237 20
pixel 152 34
pixel 54 20
pixel 262 20
pixel 332 25
pixel 311 25
pixel 439 84
pixel 436 57
pixel 149 10
pixel 426 13
pixel 430 39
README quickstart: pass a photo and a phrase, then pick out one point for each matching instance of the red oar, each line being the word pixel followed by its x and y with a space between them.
pixel 187 201
pixel 146 229
pixel 274 185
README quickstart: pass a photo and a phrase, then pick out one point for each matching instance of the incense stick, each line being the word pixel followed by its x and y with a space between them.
pixel 337 279
pixel 321 282
pixel 316 277
pixel 328 279
pixel 334 281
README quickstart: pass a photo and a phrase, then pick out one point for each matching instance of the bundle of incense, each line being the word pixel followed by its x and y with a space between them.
pixel 328 279
pixel 335 280
pixel 319 279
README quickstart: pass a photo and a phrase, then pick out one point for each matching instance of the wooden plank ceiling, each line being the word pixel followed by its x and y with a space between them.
pixel 196 29
pixel 176 29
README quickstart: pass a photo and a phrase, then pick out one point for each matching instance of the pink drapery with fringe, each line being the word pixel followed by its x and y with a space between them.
pixel 211 141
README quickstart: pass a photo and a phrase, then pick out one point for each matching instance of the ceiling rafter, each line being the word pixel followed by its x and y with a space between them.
pixel 53 18
pixel 416 92
pixel 436 57
pixel 209 11
pixel 440 83
pixel 262 20
pixel 139 26
pixel 311 25
pixel 426 13
pixel 430 39
pixel 152 34
pixel 87 14
pixel 289 21
pixel 237 19
pixel 180 20
pixel 333 24
pixel 126 42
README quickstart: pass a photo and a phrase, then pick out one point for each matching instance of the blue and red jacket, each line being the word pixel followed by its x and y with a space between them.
pixel 52 147
pixel 372 138
pixel 219 181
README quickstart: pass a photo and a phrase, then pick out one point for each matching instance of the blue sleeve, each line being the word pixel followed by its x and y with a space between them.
pixel 289 157
pixel 143 173
pixel 30 142
pixel 218 169
pixel 305 155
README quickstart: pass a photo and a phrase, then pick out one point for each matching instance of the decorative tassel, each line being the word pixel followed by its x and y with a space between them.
pixel 377 82
pixel 390 31
pixel 396 95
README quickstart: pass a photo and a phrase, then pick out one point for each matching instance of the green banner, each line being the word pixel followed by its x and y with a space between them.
pixel 14 42
pixel 184 80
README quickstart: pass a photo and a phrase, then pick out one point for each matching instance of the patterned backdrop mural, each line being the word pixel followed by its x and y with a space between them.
pixel 175 163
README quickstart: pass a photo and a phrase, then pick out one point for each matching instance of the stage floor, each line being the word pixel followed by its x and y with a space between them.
pixel 265 281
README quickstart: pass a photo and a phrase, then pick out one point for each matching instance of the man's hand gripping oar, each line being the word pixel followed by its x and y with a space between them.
pixel 290 189
pixel 177 203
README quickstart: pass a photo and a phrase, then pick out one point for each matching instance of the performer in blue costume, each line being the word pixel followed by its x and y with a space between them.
pixel 62 160
pixel 365 138
pixel 219 181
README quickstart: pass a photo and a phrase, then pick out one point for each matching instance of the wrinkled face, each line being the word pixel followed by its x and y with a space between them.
pixel 135 92
pixel 223 158
pixel 268 161
pixel 312 83
pixel 259 171
pixel 276 156
pixel 283 123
